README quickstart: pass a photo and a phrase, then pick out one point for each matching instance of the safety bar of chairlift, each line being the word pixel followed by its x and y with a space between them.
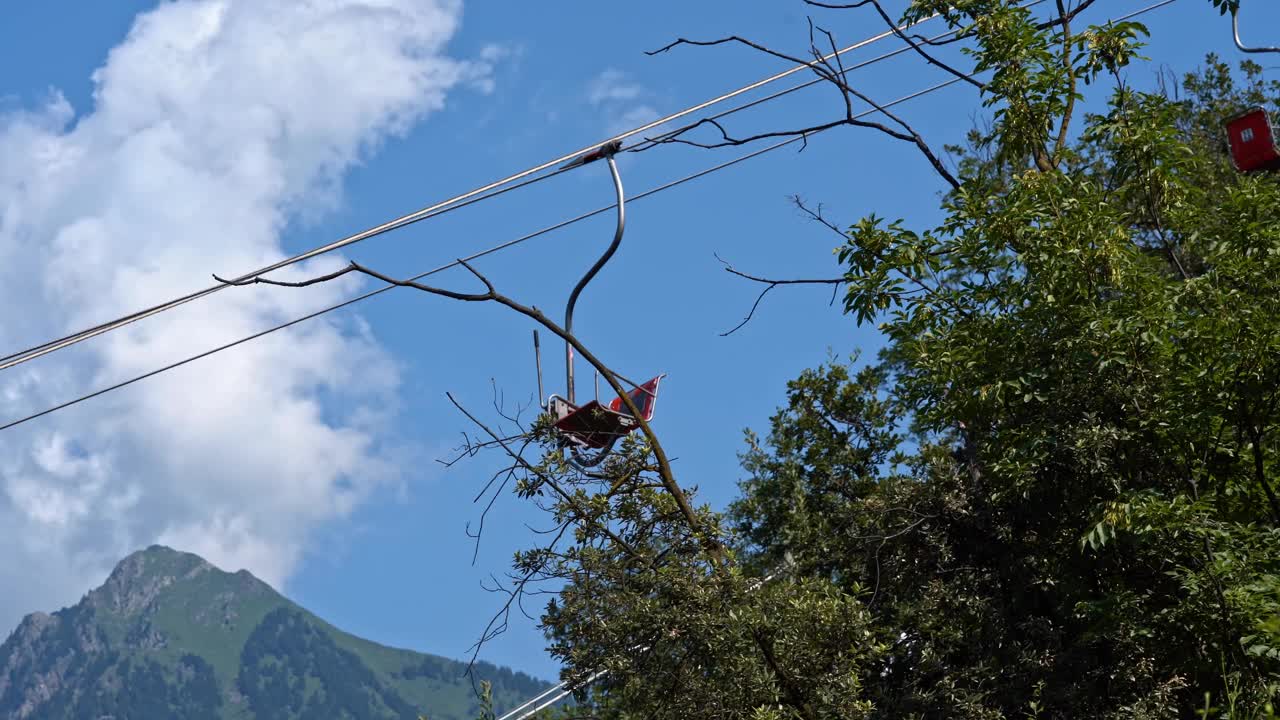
pixel 1235 31
pixel 607 152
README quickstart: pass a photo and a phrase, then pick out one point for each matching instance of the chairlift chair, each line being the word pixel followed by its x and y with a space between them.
pixel 1250 135
pixel 1253 142
pixel 597 426
pixel 589 431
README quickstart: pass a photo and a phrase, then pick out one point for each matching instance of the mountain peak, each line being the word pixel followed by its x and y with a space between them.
pixel 139 578
pixel 208 644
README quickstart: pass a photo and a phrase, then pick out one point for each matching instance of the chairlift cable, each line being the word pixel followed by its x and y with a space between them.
pixel 489 251
pixel 497 248
pixel 379 291
pixel 32 353
pixel 483 192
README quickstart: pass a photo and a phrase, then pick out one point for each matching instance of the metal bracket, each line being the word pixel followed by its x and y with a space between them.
pixel 608 149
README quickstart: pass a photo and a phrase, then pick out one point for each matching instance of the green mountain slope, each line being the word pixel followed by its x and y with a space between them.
pixel 170 636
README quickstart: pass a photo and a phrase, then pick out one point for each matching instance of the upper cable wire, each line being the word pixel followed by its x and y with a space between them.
pixel 456 263
pixel 503 246
pixel 480 193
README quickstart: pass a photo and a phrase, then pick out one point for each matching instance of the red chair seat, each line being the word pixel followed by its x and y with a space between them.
pixel 1253 144
pixel 597 426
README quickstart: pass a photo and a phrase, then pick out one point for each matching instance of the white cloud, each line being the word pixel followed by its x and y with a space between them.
pixel 481 77
pixel 612 86
pixel 633 118
pixel 215 123
pixel 624 104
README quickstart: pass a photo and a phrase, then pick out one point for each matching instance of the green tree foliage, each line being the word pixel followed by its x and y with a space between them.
pixel 1053 495
pixel 1086 362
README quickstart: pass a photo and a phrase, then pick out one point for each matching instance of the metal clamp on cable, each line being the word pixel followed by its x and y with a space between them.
pixel 608 149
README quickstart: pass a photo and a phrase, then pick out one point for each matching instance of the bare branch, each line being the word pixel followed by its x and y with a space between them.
pixel 732 39
pixel 550 482
pixel 356 267
pixel 470 448
pixel 258 279
pixel 901 36
pixel 832 74
pixel 730 141
pixel 508 473
pixel 922 284
pixel 712 545
pixel 816 215
pixel 769 285
pixel 938 41
pixel 915 137
pixel 750 313
pixel 498 623
pixel 823 69
pixel 1065 18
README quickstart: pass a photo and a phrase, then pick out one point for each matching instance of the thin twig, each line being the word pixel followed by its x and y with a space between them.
pixel 550 482
pixel 824 70
pixel 769 285
pixel 901 36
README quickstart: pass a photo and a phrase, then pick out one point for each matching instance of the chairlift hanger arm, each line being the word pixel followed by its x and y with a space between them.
pixel 607 152
pixel 1235 31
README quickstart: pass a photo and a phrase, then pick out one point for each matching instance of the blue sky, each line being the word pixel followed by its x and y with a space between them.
pixel 351 513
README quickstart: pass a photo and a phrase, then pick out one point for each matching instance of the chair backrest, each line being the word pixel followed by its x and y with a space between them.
pixel 1253 144
pixel 645 397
